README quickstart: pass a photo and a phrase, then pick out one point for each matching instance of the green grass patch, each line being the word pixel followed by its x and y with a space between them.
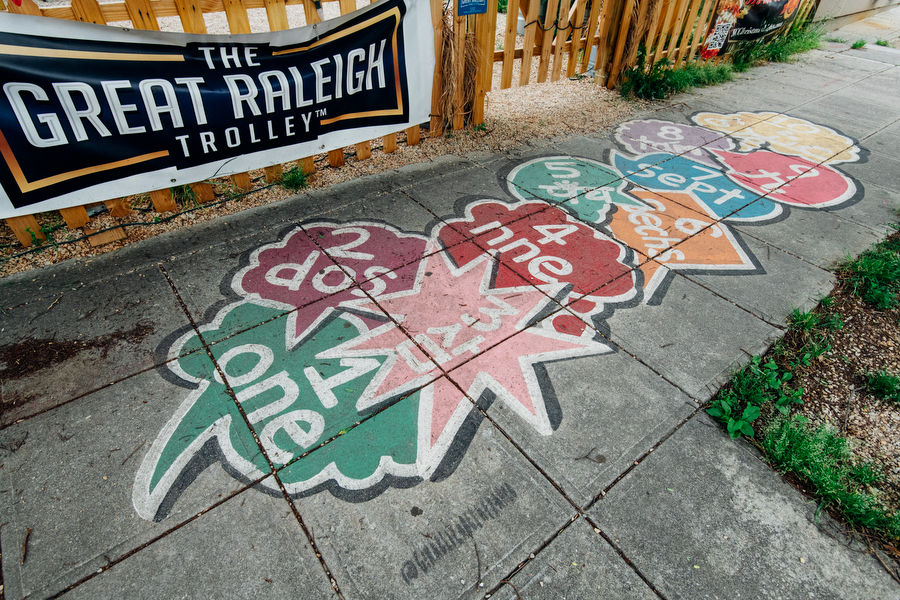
pixel 882 43
pixel 810 320
pixel 822 458
pixel 874 276
pixel 884 385
pixel 294 179
pixel 780 49
pixel 757 402
pixel 858 44
pixel 660 81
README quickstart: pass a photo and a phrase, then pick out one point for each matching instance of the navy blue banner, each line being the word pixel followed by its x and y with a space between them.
pixel 76 114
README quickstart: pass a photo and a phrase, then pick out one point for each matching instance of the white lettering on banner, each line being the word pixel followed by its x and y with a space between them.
pixel 227 56
pixel 244 135
pixel 110 89
pixel 239 98
pixel 155 109
pixel 77 116
pixel 13 91
pixel 268 92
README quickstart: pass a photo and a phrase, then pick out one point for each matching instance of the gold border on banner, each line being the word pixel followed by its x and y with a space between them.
pixel 87 55
pixel 393 13
pixel 29 186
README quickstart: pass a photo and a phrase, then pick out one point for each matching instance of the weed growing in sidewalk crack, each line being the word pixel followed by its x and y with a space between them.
pixel 858 44
pixel 740 403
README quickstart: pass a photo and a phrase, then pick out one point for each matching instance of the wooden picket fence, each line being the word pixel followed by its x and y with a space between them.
pixel 144 14
pixel 568 35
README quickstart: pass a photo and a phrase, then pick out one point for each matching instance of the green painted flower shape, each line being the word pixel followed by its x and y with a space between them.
pixel 584 187
pixel 294 403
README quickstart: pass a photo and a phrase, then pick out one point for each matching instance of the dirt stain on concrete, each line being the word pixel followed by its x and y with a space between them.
pixel 32 355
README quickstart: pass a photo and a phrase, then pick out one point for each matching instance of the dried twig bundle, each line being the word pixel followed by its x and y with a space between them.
pixel 450 63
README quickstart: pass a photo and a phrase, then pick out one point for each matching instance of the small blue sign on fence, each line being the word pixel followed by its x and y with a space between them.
pixel 471 7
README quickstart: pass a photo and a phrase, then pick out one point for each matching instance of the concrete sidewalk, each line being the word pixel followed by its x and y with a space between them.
pixel 450 371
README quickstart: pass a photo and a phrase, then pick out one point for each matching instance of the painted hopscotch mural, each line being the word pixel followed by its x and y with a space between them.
pixel 366 354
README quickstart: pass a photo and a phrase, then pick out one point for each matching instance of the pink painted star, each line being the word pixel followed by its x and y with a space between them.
pixel 482 339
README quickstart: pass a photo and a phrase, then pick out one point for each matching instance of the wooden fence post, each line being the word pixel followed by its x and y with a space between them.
pixel 390 143
pixel 24 228
pixel 610 8
pixel 591 26
pixel 550 25
pixel 163 201
pixel 485 32
pixel 242 181
pixel 676 29
pixel 699 31
pixel 580 9
pixel 436 126
pixel 663 33
pixel 509 44
pixel 621 37
pixel 531 26
pixel 75 216
pixel 191 16
pixel 562 29
pixel 141 14
pixel 276 13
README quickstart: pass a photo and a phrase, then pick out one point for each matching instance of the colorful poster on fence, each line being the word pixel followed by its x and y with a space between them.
pixel 748 20
pixel 89 113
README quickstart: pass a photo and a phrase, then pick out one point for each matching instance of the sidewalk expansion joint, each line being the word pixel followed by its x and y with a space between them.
pixel 747 233
pixel 643 456
pixel 82 395
pixel 507 579
pixel 109 565
pixel 625 558
pixel 272 470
